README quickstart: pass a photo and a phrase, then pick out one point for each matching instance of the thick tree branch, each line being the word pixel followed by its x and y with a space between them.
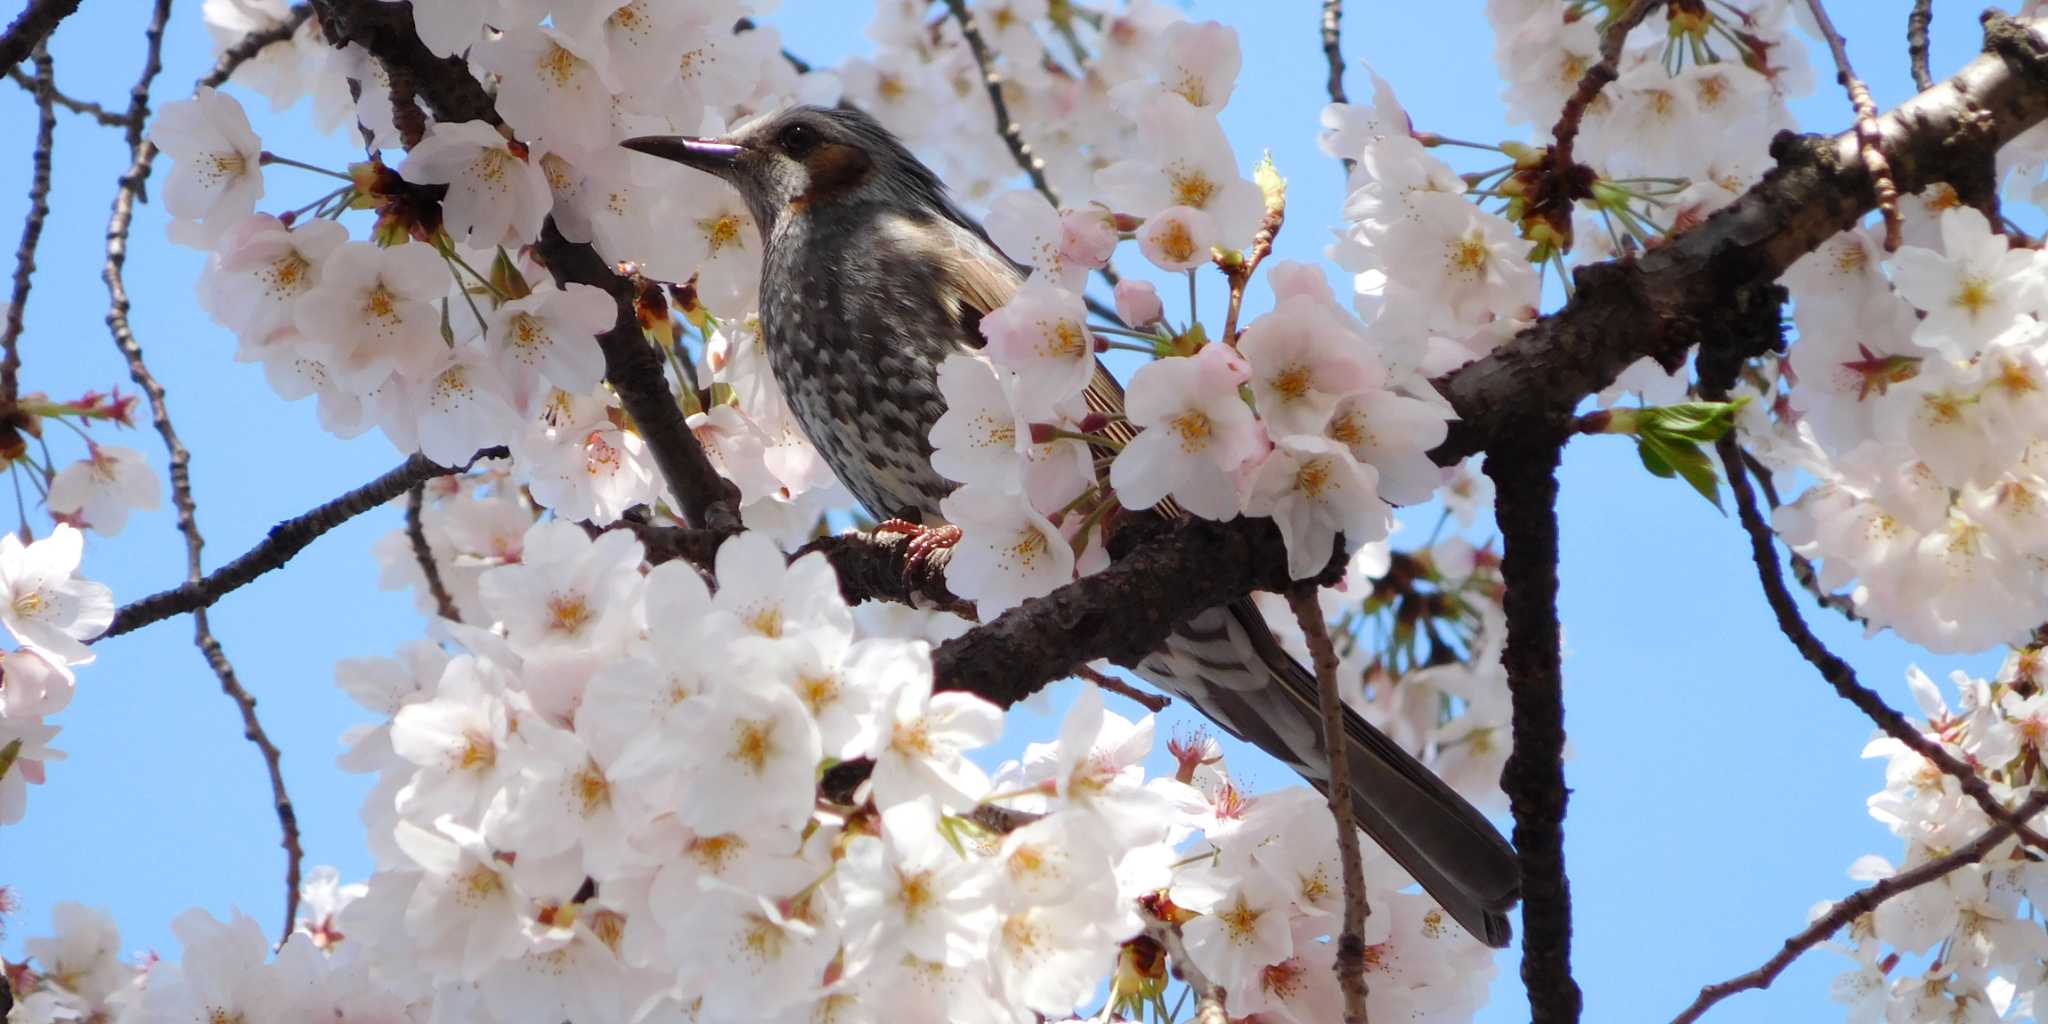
pixel 870 566
pixel 1837 672
pixel 1525 506
pixel 31 226
pixel 284 541
pixel 29 28
pixel 1711 280
pixel 1308 613
pixel 1855 905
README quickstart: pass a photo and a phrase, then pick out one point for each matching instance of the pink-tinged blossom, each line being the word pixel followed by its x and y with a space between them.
pixel 463 913
pixel 568 591
pixel 1201 64
pixel 1244 927
pixel 907 892
pixel 100 490
pixel 738 449
pixel 375 310
pixel 43 602
pixel 1041 337
pixel 1007 551
pixel 463 405
pixel 551 334
pixel 497 195
pixel 754 765
pixel 773 597
pixel 1197 433
pixel 264 268
pixel 1178 238
pixel 1314 490
pixel 1393 433
pixel 1187 162
pixel 549 90
pixel 1971 291
pixel 1304 356
pixel 582 465
pixel 218 175
pixel 925 736
pixel 976 440
pixel 1061 246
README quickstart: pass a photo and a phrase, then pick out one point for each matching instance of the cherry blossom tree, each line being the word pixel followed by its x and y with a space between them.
pixel 685 739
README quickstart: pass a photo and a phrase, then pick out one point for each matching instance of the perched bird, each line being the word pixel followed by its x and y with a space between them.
pixel 870 278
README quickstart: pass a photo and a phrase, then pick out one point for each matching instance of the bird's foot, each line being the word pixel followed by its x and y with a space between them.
pixel 925 542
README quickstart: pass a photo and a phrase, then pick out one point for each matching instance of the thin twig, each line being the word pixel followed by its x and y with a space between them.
pixel 1525 506
pixel 1333 51
pixel 73 104
pixel 1869 137
pixel 142 156
pixel 1855 905
pixel 278 547
pixel 1153 702
pixel 1333 48
pixel 1596 78
pixel 415 531
pixel 1308 612
pixel 1006 126
pixel 29 28
pixel 1832 668
pixel 31 226
pixel 1802 567
pixel 1916 42
pixel 1240 275
pixel 1208 996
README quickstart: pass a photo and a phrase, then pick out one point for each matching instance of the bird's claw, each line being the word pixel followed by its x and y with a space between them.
pixel 925 542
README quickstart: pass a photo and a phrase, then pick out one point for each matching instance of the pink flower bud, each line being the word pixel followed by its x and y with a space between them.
pixel 1044 433
pixel 1137 303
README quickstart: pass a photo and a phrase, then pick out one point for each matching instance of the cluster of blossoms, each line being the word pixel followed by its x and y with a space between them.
pixel 1982 922
pixel 581 816
pixel 1301 416
pixel 1915 401
pixel 1701 87
pixel 50 612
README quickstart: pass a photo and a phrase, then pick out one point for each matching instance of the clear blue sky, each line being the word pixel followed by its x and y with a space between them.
pixel 1717 788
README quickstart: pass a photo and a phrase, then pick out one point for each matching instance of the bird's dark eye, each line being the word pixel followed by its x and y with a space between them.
pixel 798 139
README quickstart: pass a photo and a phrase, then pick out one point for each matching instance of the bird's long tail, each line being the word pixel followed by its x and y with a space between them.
pixel 1227 663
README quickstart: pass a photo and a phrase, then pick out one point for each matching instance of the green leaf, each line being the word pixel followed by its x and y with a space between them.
pixel 1667 457
pixel 1693 421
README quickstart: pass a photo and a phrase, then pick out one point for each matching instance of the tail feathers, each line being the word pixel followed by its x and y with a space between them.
pixel 1227 663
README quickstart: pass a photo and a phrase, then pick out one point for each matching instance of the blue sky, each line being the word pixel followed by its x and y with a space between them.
pixel 1717 791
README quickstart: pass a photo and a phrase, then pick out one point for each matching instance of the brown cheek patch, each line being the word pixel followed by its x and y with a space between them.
pixel 834 170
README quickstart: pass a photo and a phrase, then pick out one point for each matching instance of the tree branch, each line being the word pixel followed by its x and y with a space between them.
pixel 1710 281
pixel 45 87
pixel 1525 506
pixel 1855 905
pixel 1006 126
pixel 73 104
pixel 632 366
pixel 1350 966
pixel 29 28
pixel 1836 671
pixel 1606 70
pixel 278 547
pixel 1208 996
pixel 1916 43
pixel 416 532
pixel 1333 48
pixel 142 156
pixel 1869 142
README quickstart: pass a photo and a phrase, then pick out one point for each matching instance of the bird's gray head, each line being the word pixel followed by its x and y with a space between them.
pixel 807 159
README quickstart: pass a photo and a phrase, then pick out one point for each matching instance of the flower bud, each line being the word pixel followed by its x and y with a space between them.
pixel 1137 303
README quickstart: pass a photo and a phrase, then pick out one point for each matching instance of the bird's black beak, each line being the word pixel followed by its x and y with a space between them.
pixel 708 155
